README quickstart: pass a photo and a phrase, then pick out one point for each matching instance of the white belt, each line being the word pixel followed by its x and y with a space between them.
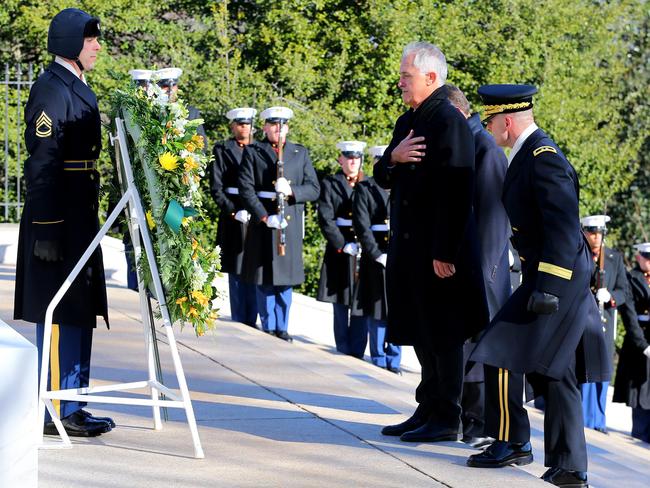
pixel 267 194
pixel 343 222
pixel 380 227
pixel 232 190
pixel 644 318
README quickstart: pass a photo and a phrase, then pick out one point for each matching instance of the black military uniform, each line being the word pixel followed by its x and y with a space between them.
pixel 59 220
pixel 554 347
pixel 633 370
pixel 231 232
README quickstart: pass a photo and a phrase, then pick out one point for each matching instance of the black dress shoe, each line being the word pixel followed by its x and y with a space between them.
pixel 76 425
pixel 602 430
pixel 410 423
pixel 269 332
pixel 566 479
pixel 284 335
pixel 477 442
pixel 397 371
pixel 89 415
pixel 431 431
pixel 500 454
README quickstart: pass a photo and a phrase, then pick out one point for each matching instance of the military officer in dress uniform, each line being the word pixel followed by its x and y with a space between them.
pixel 233 218
pixel 539 330
pixel 59 220
pixel 275 271
pixel 141 77
pixel 339 273
pixel 370 214
pixel 610 288
pixel 633 370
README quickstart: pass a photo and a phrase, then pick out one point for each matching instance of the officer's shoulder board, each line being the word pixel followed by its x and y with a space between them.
pixel 542 149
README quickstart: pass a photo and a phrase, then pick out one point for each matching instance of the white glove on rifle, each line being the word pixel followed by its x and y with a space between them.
pixel 243 216
pixel 603 296
pixel 274 222
pixel 646 351
pixel 283 186
pixel 351 248
pixel 382 259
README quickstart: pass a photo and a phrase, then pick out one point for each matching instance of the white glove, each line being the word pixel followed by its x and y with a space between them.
pixel 646 351
pixel 351 248
pixel 382 259
pixel 274 222
pixel 243 216
pixel 603 296
pixel 283 186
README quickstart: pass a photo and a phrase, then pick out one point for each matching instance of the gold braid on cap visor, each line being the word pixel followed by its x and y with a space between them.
pixel 497 109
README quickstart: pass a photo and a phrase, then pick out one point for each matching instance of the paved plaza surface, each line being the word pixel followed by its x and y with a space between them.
pixel 280 415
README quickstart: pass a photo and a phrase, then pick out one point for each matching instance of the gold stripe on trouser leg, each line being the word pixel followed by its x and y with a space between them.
pixel 506 431
pixel 55 368
pixel 501 412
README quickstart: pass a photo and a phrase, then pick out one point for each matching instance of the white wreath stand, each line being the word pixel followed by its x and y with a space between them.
pixel 159 392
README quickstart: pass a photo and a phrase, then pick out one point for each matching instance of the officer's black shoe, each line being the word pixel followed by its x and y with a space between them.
pixel 409 424
pixel 89 415
pixel 566 479
pixel 76 425
pixel 397 371
pixel 431 431
pixel 270 332
pixel 602 430
pixel 284 335
pixel 477 442
pixel 500 454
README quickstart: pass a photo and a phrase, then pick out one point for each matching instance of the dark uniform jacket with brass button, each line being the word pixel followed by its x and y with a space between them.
pixel 540 195
pixel 261 264
pixel 371 209
pixel 224 187
pixel 337 275
pixel 633 370
pixel 63 138
pixel 431 218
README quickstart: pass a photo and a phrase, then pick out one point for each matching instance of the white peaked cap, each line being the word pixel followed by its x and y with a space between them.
pixel 283 113
pixel 351 146
pixel 169 73
pixel 644 247
pixel 595 221
pixel 377 151
pixel 245 113
pixel 141 74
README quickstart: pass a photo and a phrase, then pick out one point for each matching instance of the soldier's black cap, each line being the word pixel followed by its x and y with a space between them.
pixel 67 31
pixel 503 99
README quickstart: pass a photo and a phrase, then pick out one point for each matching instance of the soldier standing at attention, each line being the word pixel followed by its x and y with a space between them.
pixel 540 328
pixel 274 269
pixel 59 220
pixel 233 217
pixel 338 276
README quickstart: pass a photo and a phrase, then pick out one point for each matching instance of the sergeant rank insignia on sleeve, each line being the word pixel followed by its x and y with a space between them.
pixel 43 125
pixel 542 149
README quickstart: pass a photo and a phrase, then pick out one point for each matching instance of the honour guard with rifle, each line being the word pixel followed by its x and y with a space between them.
pixel 633 370
pixel 276 179
pixel 340 271
pixel 370 214
pixel 59 220
pixel 233 217
pixel 611 290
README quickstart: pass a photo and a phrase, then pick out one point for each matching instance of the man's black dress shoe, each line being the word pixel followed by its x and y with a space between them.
pixel 76 425
pixel 397 371
pixel 566 479
pixel 409 424
pixel 431 431
pixel 284 335
pixel 477 442
pixel 270 332
pixel 89 415
pixel 500 454
pixel 602 430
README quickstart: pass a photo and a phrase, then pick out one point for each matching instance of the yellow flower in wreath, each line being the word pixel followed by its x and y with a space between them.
pixel 181 300
pixel 168 161
pixel 186 221
pixel 190 146
pixel 190 163
pixel 150 221
pixel 200 297
pixel 193 312
pixel 198 141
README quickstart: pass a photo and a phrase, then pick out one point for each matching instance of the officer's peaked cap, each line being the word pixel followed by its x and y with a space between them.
pixel 503 99
pixel 141 74
pixel 276 114
pixel 67 31
pixel 643 248
pixel 377 151
pixel 594 223
pixel 168 76
pixel 243 115
pixel 351 148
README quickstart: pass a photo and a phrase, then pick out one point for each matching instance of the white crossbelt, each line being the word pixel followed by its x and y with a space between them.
pixel 232 190
pixel 380 227
pixel 644 318
pixel 343 222
pixel 267 194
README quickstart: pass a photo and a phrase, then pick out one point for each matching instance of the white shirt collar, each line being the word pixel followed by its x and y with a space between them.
pixel 68 66
pixel 520 141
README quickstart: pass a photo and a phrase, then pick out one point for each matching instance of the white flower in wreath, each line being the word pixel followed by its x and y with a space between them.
pixel 187 201
pixel 176 110
pixel 199 277
pixel 185 153
pixel 179 124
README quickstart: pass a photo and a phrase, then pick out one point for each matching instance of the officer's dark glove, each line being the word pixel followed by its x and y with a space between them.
pixel 543 303
pixel 48 250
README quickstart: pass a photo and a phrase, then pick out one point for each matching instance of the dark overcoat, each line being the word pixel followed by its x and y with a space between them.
pixel 62 129
pixel 540 195
pixel 261 264
pixel 431 218
pixel 633 370
pixel 371 208
pixel 336 284
pixel 224 181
